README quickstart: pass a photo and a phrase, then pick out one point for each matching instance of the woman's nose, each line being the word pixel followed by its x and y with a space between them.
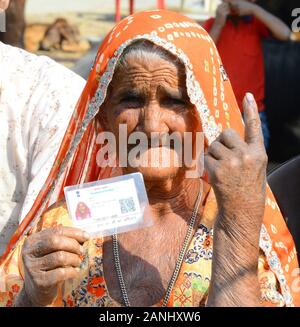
pixel 152 120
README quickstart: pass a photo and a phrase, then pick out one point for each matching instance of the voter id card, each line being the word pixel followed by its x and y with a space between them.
pixel 109 206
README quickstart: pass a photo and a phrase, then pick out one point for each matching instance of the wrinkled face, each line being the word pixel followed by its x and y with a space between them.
pixel 150 96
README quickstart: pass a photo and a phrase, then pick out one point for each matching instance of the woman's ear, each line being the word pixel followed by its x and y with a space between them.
pixel 102 117
pixel 103 111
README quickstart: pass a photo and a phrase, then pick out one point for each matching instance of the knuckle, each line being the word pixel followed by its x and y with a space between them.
pixel 262 158
pixel 230 135
pixel 234 163
pixel 247 159
pixel 54 241
pixel 38 248
pixel 58 230
pixel 60 257
pixel 31 247
pixel 214 145
pixel 228 132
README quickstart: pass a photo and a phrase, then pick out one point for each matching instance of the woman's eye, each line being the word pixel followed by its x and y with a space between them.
pixel 173 102
pixel 132 101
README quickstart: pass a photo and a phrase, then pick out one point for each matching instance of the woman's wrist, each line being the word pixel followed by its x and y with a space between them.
pixel 240 291
pixel 241 215
pixel 216 30
pixel 234 280
pixel 243 241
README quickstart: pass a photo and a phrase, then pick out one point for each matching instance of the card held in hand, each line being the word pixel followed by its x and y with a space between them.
pixel 109 206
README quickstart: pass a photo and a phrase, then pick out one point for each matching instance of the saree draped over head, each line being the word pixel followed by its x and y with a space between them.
pixel 210 91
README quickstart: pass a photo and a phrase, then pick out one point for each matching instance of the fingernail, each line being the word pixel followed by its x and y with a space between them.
pixel 77 269
pixel 86 235
pixel 250 98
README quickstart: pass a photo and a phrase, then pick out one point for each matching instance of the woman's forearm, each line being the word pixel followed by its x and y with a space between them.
pixel 278 28
pixel 216 31
pixel 234 279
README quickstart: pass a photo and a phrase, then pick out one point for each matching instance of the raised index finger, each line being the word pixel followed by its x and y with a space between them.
pixel 253 131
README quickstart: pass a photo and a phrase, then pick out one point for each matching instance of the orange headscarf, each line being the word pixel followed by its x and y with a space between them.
pixel 209 90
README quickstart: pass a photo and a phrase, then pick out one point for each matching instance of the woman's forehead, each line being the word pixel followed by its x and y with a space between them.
pixel 149 70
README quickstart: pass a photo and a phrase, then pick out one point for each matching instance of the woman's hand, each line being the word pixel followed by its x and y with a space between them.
pixel 237 173
pixel 50 257
pixel 241 7
pixel 237 167
pixel 222 13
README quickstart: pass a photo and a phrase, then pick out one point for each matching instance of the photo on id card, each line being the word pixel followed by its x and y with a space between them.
pixel 109 206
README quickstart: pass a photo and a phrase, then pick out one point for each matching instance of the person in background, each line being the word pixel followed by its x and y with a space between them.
pixel 238 30
pixel 14 22
pixel 37 98
pixel 4 4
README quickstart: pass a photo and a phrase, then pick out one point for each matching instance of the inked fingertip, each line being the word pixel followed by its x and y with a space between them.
pixel 250 98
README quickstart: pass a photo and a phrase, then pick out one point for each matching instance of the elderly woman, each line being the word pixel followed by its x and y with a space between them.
pixel 218 240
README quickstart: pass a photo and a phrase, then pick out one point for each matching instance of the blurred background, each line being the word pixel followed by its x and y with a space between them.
pixel 70 32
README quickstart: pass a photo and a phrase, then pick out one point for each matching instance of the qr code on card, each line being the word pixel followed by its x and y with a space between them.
pixel 127 205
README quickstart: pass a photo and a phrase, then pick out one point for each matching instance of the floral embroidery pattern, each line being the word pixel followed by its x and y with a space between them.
pixel 91 290
pixel 275 265
pixel 202 245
